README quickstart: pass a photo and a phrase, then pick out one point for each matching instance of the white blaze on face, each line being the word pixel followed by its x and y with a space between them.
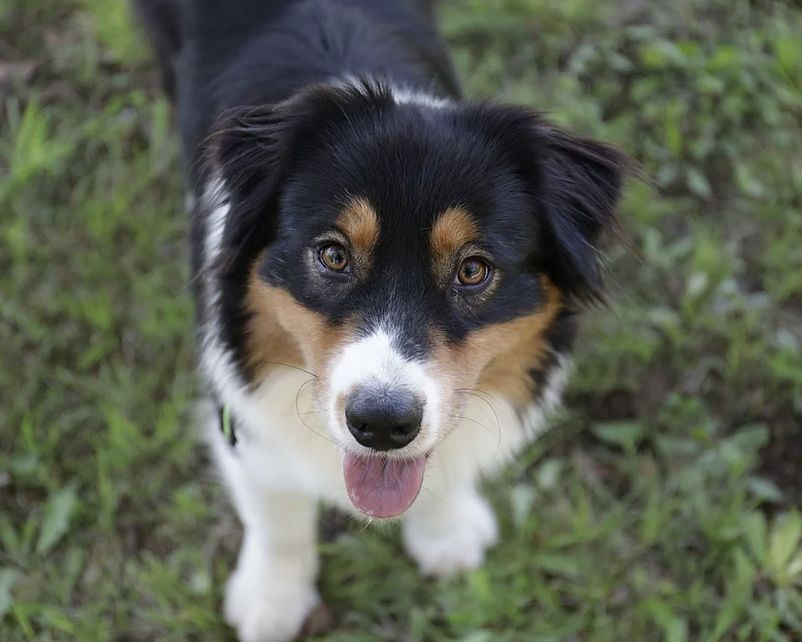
pixel 373 361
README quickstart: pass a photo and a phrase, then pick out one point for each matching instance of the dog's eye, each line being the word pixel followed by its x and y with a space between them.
pixel 334 257
pixel 472 271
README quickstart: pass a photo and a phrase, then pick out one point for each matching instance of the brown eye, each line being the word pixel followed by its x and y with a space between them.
pixel 334 257
pixel 473 271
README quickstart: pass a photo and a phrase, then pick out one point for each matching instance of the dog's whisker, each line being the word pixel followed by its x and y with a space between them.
pixel 287 365
pixel 480 391
pixel 472 420
pixel 293 414
pixel 301 419
pixel 475 393
pixel 486 429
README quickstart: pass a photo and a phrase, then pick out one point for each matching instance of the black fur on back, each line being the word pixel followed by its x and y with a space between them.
pixel 220 54
pixel 162 22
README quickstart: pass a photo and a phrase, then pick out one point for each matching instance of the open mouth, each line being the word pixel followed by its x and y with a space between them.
pixel 382 486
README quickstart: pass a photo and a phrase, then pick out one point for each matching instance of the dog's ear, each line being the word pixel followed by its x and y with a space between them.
pixel 246 159
pixel 574 185
pixel 252 151
pixel 248 145
pixel 580 183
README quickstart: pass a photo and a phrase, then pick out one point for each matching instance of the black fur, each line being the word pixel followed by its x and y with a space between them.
pixel 161 19
pixel 292 140
pixel 220 55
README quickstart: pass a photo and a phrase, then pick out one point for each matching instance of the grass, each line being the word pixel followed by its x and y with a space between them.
pixel 660 507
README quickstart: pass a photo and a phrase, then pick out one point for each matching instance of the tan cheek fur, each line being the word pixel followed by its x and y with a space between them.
pixel 283 331
pixel 498 359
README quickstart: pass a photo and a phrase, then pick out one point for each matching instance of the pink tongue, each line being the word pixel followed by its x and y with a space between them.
pixel 382 486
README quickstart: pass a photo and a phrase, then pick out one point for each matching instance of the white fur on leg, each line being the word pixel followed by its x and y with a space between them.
pixel 267 598
pixel 272 590
pixel 451 535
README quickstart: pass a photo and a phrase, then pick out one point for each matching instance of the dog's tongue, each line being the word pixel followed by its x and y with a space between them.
pixel 382 486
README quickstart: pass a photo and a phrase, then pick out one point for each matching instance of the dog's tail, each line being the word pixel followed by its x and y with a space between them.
pixel 162 22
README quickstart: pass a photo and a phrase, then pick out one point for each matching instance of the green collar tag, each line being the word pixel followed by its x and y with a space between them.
pixel 227 424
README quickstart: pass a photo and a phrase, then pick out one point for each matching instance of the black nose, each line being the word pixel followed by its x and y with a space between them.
pixel 383 420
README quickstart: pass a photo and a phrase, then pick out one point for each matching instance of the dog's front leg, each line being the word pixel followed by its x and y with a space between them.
pixel 272 590
pixel 449 532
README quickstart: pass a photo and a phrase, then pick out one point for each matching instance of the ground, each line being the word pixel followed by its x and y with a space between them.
pixel 661 504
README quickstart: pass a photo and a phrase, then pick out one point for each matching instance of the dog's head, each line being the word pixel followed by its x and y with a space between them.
pixel 405 251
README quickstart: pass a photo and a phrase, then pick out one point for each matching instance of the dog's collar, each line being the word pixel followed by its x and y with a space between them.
pixel 227 424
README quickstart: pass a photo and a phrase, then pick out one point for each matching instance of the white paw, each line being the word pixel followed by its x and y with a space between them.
pixel 453 541
pixel 264 613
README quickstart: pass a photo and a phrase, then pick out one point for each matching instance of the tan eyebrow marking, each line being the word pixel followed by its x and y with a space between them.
pixel 453 229
pixel 359 223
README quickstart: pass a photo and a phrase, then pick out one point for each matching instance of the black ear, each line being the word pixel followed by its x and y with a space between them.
pixel 252 151
pixel 579 186
pixel 248 145
pixel 574 186
pixel 247 158
pixel 240 168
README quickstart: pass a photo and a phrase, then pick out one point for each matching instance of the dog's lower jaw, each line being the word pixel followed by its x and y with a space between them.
pixel 272 591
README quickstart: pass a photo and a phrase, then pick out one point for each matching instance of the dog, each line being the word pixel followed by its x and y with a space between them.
pixel 387 277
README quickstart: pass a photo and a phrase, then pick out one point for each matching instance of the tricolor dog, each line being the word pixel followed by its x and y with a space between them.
pixel 387 277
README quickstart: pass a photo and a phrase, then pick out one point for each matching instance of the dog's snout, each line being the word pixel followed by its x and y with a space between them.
pixel 383 420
